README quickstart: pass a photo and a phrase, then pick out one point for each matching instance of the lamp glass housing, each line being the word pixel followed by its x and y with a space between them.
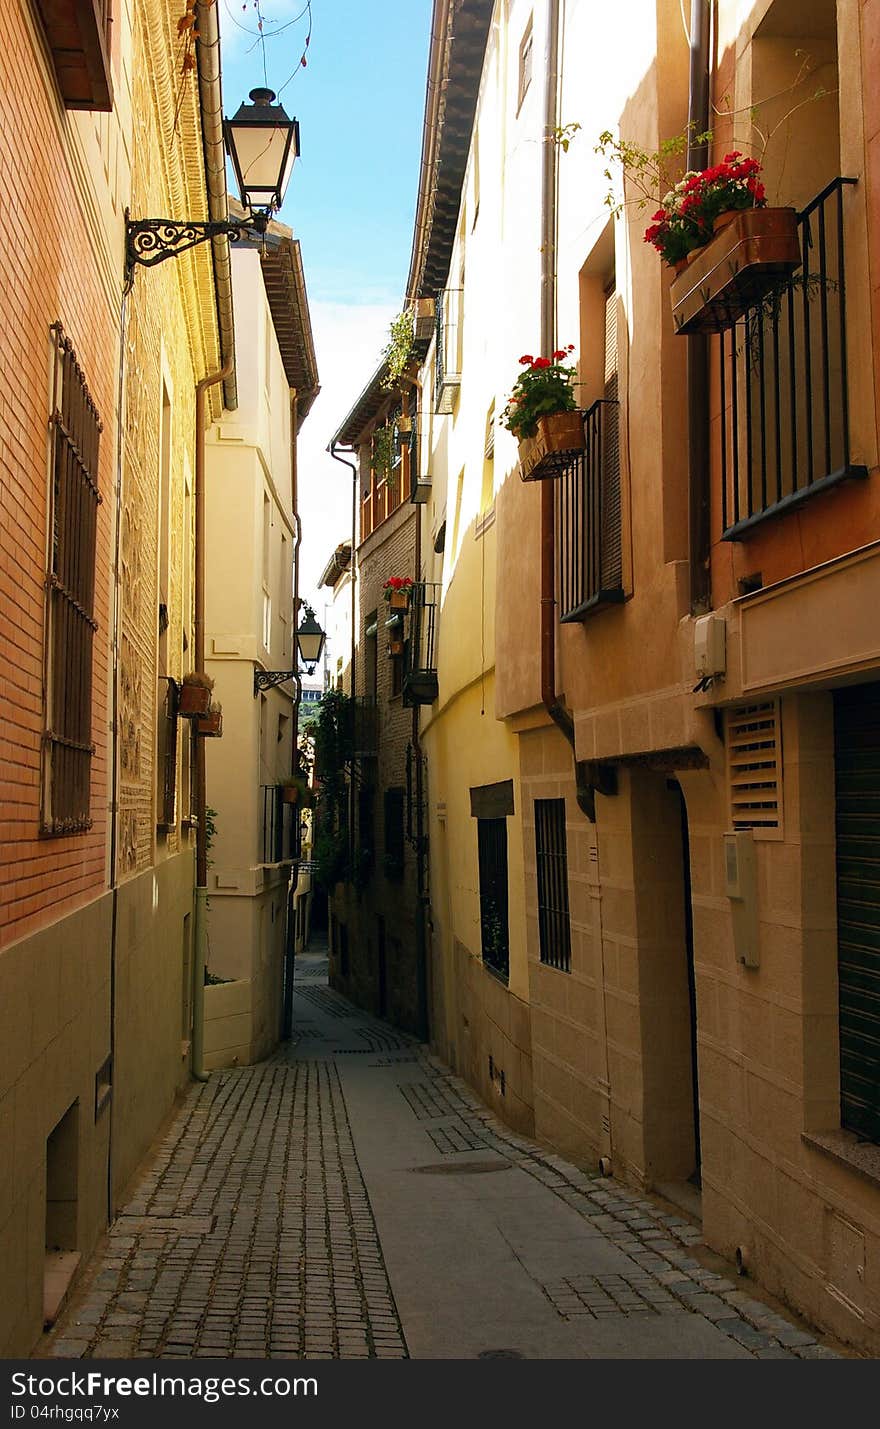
pixel 263 143
pixel 310 640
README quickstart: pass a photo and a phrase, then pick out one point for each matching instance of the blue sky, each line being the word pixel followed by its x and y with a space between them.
pixel 351 202
pixel 360 104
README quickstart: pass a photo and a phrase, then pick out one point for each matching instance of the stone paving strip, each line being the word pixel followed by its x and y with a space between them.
pixel 672 1280
pixel 251 1236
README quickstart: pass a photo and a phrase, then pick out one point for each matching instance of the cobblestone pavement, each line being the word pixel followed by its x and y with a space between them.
pixel 253 1232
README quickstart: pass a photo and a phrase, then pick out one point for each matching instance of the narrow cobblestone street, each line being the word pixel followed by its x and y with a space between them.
pixel 350 1198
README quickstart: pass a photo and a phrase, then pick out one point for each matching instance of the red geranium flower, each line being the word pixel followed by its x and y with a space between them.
pixel 529 360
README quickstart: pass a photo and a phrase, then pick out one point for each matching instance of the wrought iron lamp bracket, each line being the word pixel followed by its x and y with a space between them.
pixel 268 679
pixel 149 241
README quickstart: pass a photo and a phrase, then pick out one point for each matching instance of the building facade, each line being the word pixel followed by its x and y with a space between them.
pixel 652 749
pixel 252 540
pixel 369 825
pixel 97 444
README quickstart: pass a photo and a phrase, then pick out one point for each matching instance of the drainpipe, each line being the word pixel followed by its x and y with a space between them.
pixel 290 945
pixel 353 654
pixel 698 343
pixel 198 990
pixel 114 738
pixel 422 1008
pixel 587 777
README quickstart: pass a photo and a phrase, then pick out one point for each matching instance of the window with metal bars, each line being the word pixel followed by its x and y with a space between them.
pixel 554 924
pixel 166 763
pixel 75 430
pixel 588 508
pixel 494 927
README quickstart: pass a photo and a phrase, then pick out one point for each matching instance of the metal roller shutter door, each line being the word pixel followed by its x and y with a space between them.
pixel 857 788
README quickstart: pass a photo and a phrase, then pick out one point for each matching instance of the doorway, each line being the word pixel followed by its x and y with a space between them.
pixel 667 991
pixel 382 992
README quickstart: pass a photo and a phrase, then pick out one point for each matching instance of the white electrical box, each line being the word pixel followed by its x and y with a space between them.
pixel 710 646
pixel 741 887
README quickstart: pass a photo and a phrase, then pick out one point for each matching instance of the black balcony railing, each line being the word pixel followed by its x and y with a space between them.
pixel 784 422
pixel 589 565
pixel 278 819
pixel 420 685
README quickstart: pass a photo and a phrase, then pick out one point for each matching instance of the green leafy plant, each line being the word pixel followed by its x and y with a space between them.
pixel 334 734
pixel 564 133
pixel 398 353
pixel 383 453
pixel 544 387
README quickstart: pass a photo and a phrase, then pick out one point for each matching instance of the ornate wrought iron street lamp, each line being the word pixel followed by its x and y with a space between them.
pixel 262 143
pixel 310 645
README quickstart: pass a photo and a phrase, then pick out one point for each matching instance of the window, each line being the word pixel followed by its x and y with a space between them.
pixel 494 932
pixel 554 927
pixel 487 494
pixel 525 65
pixel 166 755
pixel 78 35
pixel 74 497
pixel 394 837
pixel 589 509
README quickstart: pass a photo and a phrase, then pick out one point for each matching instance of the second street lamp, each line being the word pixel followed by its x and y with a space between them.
pixel 262 142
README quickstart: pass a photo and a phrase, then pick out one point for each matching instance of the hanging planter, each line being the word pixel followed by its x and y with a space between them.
pixel 559 438
pixel 195 695
pixel 743 261
pixel 211 724
pixel 396 591
pixel 424 318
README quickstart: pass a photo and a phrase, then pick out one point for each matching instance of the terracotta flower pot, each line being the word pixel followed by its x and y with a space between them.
pixel 559 438
pixel 399 600
pixel 289 794
pixel 723 219
pixel 210 725
pixel 754 250
pixel 194 700
pixel 395 648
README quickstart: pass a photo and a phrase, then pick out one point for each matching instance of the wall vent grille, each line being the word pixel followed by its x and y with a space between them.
pixel 754 764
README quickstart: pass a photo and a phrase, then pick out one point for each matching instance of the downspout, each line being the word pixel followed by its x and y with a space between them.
pixel 586 776
pixel 589 777
pixel 198 990
pixel 114 739
pixel 698 343
pixel 290 940
pixel 353 654
pixel 211 114
pixel 422 1006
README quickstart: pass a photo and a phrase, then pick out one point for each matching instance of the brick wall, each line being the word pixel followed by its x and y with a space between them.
pixel 388 551
pixel 49 271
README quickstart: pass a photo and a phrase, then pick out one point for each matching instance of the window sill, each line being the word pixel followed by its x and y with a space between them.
pixel 847 1150
pixel 503 978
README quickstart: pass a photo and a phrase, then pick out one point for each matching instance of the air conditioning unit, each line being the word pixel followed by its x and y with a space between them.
pixel 710 646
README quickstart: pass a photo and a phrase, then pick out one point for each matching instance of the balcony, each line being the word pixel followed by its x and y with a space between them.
pixel 784 420
pixel 420 685
pixel 78 36
pixel 589 565
pixel 447 356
